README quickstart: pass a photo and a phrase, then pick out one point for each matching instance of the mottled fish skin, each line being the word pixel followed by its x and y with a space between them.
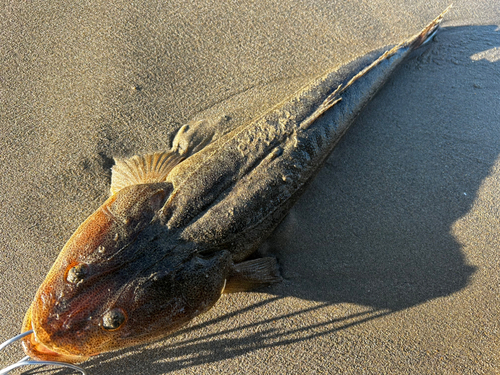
pixel 235 191
pixel 176 231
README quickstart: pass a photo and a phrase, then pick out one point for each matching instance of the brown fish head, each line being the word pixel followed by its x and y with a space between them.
pixel 122 279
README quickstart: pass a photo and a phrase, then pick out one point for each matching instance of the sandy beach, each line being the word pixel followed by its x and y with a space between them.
pixel 390 259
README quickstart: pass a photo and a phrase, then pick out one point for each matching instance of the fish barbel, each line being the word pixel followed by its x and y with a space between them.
pixel 180 225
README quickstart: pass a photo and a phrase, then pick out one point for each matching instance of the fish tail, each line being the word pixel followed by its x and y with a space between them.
pixel 428 32
pixel 409 45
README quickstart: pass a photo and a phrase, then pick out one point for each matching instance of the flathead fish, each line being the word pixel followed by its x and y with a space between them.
pixel 179 226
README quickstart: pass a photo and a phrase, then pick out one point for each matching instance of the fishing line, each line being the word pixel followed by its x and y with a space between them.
pixel 27 362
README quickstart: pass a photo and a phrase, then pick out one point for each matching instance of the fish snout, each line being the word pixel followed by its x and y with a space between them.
pixel 63 329
pixel 35 348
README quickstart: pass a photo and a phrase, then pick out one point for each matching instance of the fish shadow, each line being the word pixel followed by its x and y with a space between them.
pixel 374 227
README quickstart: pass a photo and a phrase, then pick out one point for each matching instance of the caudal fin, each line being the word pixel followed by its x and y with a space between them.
pixel 429 31
pixel 407 46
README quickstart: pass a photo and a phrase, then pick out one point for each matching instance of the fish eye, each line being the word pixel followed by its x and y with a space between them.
pixel 76 273
pixel 113 319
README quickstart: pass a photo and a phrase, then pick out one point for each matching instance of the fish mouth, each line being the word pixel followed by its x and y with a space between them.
pixel 34 348
pixel 38 350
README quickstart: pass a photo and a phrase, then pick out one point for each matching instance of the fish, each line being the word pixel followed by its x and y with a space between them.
pixel 181 227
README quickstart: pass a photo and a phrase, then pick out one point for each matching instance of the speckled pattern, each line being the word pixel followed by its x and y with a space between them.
pixel 390 258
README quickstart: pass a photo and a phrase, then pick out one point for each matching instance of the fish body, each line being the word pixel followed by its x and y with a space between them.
pixel 179 226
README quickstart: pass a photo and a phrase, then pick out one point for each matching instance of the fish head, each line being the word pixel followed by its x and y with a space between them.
pixel 122 280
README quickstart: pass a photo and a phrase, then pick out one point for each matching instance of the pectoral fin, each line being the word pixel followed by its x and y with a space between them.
pixel 252 274
pixel 155 167
pixel 142 169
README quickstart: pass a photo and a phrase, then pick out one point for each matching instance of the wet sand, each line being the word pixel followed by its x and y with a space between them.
pixel 390 258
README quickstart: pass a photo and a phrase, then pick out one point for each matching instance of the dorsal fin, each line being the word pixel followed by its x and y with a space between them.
pixel 142 169
pixel 192 137
pixel 197 134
